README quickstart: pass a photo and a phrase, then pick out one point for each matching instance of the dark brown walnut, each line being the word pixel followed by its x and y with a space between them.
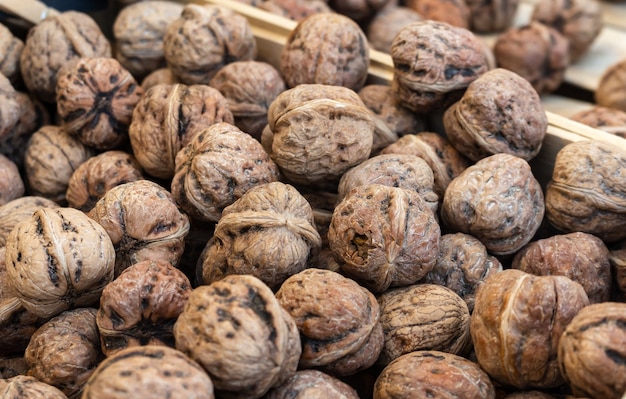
pixel 318 132
pixel 610 120
pixel 11 184
pixel 12 366
pixel 203 39
pixel 434 62
pixel 152 371
pixel 463 265
pixel 617 258
pixel 586 192
pixel 10 51
pixel 386 24
pixel 517 323
pixel 269 233
pixel 360 10
pixel 167 118
pixel 580 256
pixel 312 384
pixel 216 168
pixel 498 201
pixel 24 387
pixel 143 222
pixel 424 374
pixel 237 330
pixel 384 236
pixel 64 351
pixel 296 10
pixel 250 87
pixel 580 21
pixel 453 12
pixel 592 351
pixel 53 43
pixel 326 48
pixel 52 155
pixel 423 317
pixel 499 113
pixel 141 306
pixel 361 360
pixel 58 259
pixel 536 52
pixel 445 161
pixel 9 108
pixel 95 101
pixel 608 93
pixel 138 32
pixel 18 210
pixel 100 173
pixel 334 314
pixel 159 76
pixel 491 16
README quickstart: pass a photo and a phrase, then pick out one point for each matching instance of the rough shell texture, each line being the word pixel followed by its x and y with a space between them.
pixel 65 351
pixel 386 24
pixel 335 316
pixel 216 168
pixel 143 222
pixel 453 12
pixel 580 256
pixel 250 87
pixel 269 233
pixel 592 351
pixel 609 120
pixel 159 76
pixel 297 10
pixel 22 387
pixel 204 39
pixel 617 257
pixel 18 210
pixel 326 48
pixel 12 366
pixel 424 374
pixel 11 184
pixel 359 10
pixel 100 173
pixel 433 63
pixel 608 93
pixel 9 108
pixel 492 15
pixel 536 52
pixel 138 31
pixel 53 43
pixel 58 259
pixel 499 113
pixel 157 372
pixel 167 118
pixel 95 101
pixel 141 306
pixel 498 201
pixel 10 51
pixel 516 325
pixel 52 155
pixel 384 236
pixel 312 384
pixel 319 132
pixel 237 330
pixel 586 192
pixel 463 265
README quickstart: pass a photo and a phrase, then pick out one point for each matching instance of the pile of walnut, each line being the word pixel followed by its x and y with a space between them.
pixel 179 218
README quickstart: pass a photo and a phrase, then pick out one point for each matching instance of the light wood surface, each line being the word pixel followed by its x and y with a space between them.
pixel 30 10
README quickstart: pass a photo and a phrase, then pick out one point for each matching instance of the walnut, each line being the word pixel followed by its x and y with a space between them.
pixel 159 76
pixel 335 316
pixel 22 387
pixel 499 113
pixel 296 10
pixel 426 374
pixel 237 330
pixel 250 87
pixel 492 15
pixel 138 32
pixel 617 258
pixel 386 24
pixel 18 210
pixel 609 91
pixel 167 118
pixel 591 351
pixel 9 108
pixel 148 371
pixel 12 366
pixel 536 52
pixel 64 351
pixel 11 184
pixel 463 265
pixel 384 236
pixel 143 222
pixel 204 39
pixel 360 10
pixel 586 192
pixel 529 395
pixel 95 101
pixel 309 384
pixel 516 325
pixel 498 201
pixel 609 120
pixel 141 306
pixel 453 12
pixel 434 62
pixel 318 133
pixel 52 155
pixel 326 48
pixel 53 43
pixel 10 51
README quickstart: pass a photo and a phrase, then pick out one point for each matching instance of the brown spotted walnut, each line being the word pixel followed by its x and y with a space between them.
pixel 22 386
pixel 18 210
pixel 312 384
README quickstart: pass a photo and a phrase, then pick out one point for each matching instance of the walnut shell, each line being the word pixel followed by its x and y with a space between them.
pixel 360 10
pixel 237 330
pixel 609 120
pixel 159 76
pixel 586 192
pixel 9 108
pixel 609 92
pixel 499 113
pixel 492 15
pixel 18 210
pixel 617 258
pixel 296 10
pixel 13 366
pixel 157 372
pixel 386 24
pixel 516 325
pixel 453 12
pixel 11 184
pixel 143 222
pixel 24 387
pixel 53 43
pixel 10 51
pixel 591 351
pixel 167 118
pixel 312 384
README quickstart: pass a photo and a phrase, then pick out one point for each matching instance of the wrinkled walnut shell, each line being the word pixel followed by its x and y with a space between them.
pixel 453 12
pixel 297 10
pixel 24 387
pixel 491 15
pixel 312 384
pixel 609 120
pixel 609 92
pixel 18 210
pixel 9 108
pixel 159 76
pixel 10 51
pixel 386 24
pixel 11 184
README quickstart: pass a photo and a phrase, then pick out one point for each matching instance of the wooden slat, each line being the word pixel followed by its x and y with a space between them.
pixel 29 10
